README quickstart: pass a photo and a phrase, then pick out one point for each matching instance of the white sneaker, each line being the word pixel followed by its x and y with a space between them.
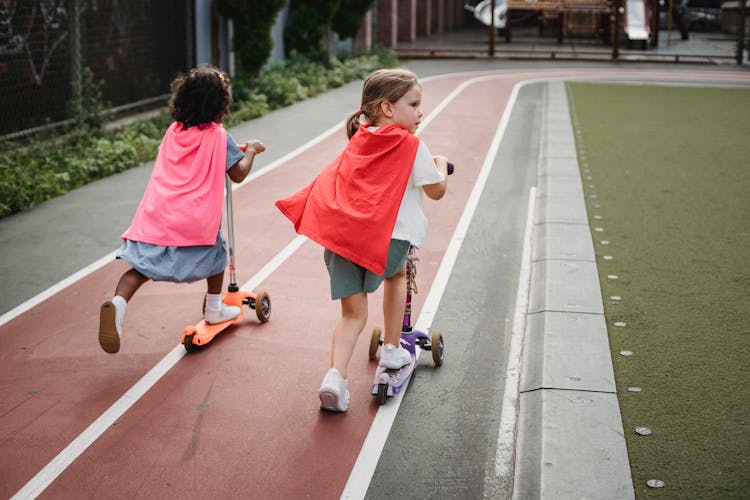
pixel 226 313
pixel 394 357
pixel 110 326
pixel 334 392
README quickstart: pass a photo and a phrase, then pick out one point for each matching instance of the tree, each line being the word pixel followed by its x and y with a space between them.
pixel 310 22
pixel 253 20
pixel 349 16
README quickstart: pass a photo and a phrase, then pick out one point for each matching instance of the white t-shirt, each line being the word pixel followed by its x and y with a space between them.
pixel 411 223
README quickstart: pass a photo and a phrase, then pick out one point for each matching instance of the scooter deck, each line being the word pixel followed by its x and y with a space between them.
pixel 203 333
pixel 394 377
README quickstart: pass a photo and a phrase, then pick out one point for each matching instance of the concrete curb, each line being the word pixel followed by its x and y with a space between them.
pixel 570 435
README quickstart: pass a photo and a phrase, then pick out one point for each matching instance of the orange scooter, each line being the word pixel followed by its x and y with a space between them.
pixel 195 337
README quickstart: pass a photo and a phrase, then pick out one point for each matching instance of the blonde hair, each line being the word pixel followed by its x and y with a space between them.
pixel 382 85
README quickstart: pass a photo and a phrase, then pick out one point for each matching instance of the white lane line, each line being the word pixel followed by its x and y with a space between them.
pixel 372 448
pixel 61 462
pixel 506 438
pixel 54 468
pixel 54 289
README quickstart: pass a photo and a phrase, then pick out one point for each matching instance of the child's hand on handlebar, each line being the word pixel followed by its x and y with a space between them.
pixel 443 164
pixel 254 145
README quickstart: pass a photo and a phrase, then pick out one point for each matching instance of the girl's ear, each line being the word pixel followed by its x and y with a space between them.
pixel 386 108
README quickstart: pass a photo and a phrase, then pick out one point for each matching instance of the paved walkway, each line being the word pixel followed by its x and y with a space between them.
pixel 240 419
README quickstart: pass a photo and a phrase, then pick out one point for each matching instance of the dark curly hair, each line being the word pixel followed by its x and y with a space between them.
pixel 201 96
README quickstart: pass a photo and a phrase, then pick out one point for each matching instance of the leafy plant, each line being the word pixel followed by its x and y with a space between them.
pixel 348 17
pixel 87 107
pixel 253 20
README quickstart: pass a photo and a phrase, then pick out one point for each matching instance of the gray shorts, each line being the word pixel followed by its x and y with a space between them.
pixel 348 278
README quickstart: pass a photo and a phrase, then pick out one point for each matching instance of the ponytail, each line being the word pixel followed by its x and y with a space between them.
pixel 352 123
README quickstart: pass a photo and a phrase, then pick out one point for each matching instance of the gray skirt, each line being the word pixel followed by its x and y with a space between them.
pixel 348 278
pixel 175 264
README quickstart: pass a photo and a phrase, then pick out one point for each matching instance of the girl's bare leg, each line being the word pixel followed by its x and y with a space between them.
pixel 215 283
pixel 353 319
pixel 112 313
pixel 129 283
pixel 394 295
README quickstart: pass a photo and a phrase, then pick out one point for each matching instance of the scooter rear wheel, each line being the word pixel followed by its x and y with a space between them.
pixel 437 348
pixel 262 306
pixel 382 394
pixel 374 343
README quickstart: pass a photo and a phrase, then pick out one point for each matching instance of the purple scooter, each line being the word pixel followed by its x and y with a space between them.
pixel 388 382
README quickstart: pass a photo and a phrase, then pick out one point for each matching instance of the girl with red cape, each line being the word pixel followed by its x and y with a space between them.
pixel 365 209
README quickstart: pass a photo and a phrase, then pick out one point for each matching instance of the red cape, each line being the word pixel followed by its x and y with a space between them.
pixel 351 207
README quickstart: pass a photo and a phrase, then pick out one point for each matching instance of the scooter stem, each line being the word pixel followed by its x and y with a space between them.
pixel 230 236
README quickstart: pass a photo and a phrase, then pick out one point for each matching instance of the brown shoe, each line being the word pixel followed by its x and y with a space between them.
pixel 109 335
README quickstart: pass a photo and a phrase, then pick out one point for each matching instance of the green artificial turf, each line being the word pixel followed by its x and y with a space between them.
pixel 669 168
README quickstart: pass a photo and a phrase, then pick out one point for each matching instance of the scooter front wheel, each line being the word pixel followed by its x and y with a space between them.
pixel 382 394
pixel 189 346
pixel 262 306
pixel 374 343
pixel 437 348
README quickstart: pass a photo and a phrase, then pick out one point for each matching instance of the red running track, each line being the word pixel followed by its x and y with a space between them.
pixel 241 418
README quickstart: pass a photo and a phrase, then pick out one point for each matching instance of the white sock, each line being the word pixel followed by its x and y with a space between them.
pixel 120 305
pixel 213 301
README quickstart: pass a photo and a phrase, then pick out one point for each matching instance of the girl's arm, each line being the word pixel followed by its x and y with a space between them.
pixel 437 190
pixel 239 170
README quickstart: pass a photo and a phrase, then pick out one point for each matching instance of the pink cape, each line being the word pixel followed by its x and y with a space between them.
pixel 351 207
pixel 183 201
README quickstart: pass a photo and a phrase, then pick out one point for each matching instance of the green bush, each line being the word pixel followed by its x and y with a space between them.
pixel 312 20
pixel 307 26
pixel 349 16
pixel 30 174
pixel 252 106
pixel 253 20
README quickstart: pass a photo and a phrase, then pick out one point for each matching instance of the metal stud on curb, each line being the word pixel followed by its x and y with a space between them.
pixel 643 431
pixel 655 483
